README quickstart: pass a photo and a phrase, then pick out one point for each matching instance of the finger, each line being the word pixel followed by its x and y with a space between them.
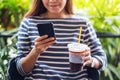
pixel 88 49
pixel 87 63
pixel 41 38
pixel 87 53
pixel 43 47
pixel 86 58
pixel 47 40
pixel 50 43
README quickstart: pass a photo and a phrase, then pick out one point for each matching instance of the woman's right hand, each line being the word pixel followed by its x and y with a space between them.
pixel 43 42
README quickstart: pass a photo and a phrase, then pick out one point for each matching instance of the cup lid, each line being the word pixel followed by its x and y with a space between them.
pixel 75 47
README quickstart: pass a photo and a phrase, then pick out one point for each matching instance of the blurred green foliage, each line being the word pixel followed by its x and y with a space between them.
pixel 11 13
pixel 7 51
pixel 104 14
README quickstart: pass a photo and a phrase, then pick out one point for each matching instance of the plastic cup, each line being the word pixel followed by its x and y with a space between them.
pixel 75 55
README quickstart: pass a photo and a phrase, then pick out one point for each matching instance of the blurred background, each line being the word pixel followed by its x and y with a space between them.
pixel 103 14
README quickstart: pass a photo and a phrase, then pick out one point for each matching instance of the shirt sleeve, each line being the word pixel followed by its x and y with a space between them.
pixel 23 44
pixel 93 42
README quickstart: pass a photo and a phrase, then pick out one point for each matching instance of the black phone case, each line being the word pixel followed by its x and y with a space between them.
pixel 46 28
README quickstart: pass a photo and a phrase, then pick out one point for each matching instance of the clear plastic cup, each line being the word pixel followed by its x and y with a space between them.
pixel 75 55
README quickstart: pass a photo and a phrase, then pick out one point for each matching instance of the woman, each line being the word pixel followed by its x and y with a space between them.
pixel 44 58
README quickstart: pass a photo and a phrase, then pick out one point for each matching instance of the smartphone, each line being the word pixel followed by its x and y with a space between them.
pixel 46 28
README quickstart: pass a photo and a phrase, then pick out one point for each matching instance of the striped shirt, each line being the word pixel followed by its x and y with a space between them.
pixel 53 64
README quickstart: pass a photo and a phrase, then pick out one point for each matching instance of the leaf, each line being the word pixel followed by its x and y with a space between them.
pixel 109 74
pixel 114 70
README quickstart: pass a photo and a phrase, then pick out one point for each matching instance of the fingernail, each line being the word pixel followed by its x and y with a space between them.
pixel 45 35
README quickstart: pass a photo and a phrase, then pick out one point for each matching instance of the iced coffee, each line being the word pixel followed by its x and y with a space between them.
pixel 75 55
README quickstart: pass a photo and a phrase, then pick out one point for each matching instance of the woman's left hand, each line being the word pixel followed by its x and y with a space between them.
pixel 87 58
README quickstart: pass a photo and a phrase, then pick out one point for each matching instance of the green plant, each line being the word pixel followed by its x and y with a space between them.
pixel 6 52
pixel 11 13
pixel 104 14
pixel 113 54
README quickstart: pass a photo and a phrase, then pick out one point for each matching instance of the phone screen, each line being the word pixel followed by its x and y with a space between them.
pixel 46 28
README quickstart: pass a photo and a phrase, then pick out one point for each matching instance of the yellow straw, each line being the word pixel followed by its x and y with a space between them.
pixel 80 35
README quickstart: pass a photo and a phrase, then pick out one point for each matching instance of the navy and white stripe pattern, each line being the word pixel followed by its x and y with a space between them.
pixel 53 64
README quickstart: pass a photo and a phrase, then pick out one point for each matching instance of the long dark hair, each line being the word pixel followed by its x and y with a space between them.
pixel 38 8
